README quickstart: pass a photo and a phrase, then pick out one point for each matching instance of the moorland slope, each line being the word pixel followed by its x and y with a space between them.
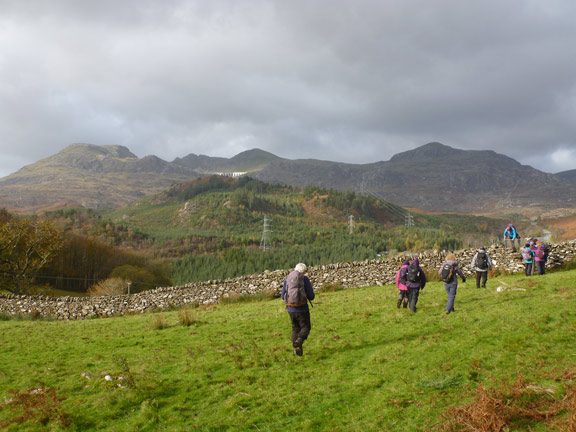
pixel 503 359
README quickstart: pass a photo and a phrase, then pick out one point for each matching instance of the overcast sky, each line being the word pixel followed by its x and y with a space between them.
pixel 343 80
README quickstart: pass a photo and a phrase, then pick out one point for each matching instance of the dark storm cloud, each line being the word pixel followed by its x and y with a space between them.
pixel 354 81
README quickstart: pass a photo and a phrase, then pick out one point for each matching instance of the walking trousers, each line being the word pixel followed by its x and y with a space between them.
pixel 301 326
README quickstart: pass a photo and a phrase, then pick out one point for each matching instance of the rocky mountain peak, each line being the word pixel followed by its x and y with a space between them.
pixel 116 151
pixel 433 150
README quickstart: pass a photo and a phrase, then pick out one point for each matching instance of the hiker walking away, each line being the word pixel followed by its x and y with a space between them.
pixel 401 285
pixel 296 293
pixel 415 281
pixel 540 258
pixel 528 259
pixel 481 263
pixel 510 234
pixel 449 272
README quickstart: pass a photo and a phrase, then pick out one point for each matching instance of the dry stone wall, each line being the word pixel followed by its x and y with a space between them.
pixel 346 274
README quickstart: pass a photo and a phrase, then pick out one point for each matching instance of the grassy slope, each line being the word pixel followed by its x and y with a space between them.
pixel 367 365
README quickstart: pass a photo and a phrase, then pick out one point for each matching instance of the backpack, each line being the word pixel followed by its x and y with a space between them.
pixel 527 255
pixel 295 292
pixel 482 261
pixel 540 253
pixel 447 274
pixel 412 274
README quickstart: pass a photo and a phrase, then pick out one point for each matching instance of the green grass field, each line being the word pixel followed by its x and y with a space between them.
pixel 367 365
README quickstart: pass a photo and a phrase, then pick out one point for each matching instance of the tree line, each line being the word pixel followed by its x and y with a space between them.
pixel 35 253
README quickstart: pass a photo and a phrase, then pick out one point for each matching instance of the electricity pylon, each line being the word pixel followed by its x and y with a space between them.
pixel 265 242
pixel 409 220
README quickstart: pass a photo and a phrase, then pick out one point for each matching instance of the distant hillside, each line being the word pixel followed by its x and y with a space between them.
pixel 89 176
pixel 569 175
pixel 248 161
pixel 433 177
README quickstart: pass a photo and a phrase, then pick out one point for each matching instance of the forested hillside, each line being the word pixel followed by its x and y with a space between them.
pixel 218 227
pixel 213 227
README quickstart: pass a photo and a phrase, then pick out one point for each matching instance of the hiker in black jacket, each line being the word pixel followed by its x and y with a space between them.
pixel 415 281
pixel 296 293
pixel 481 263
pixel 451 280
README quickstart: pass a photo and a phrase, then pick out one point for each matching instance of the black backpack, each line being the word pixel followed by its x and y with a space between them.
pixel 447 274
pixel 482 261
pixel 295 292
pixel 412 274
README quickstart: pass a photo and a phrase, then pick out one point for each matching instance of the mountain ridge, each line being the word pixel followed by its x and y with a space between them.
pixel 432 177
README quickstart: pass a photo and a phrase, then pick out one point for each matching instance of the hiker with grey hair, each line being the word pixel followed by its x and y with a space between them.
pixel 296 292
pixel 449 272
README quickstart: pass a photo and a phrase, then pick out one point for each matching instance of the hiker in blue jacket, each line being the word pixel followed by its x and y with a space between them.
pixel 510 234
pixel 415 281
pixel 296 292
pixel 528 259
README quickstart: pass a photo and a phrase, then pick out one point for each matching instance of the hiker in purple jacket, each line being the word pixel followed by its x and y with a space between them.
pixel 451 284
pixel 299 312
pixel 415 281
pixel 540 258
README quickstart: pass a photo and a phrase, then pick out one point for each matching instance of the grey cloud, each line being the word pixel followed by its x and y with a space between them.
pixel 349 81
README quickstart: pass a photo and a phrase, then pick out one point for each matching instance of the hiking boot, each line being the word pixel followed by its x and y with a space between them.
pixel 405 305
pixel 399 304
pixel 297 344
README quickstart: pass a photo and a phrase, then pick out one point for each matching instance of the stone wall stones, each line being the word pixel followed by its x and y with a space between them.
pixel 345 274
